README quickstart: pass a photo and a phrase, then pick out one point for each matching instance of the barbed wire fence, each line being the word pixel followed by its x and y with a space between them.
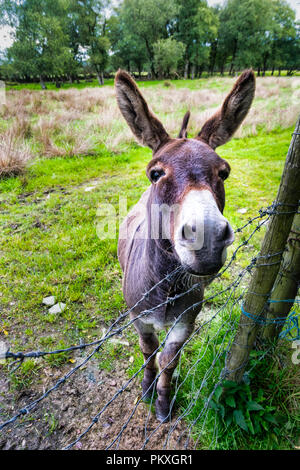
pixel 216 333
pixel 223 337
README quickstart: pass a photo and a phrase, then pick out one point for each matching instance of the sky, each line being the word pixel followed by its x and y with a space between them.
pixel 6 40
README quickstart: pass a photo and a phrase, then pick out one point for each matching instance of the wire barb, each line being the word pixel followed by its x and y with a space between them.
pixel 217 331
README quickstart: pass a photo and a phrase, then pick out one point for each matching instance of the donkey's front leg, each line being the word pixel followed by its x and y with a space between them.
pixel 168 360
pixel 148 344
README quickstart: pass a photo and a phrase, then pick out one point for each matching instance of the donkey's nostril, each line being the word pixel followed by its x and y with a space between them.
pixel 227 235
pixel 188 232
pixel 225 232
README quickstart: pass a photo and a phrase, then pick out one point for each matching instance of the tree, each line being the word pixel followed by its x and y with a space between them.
pixel 255 33
pixel 243 24
pixel 196 26
pixel 98 56
pixel 148 21
pixel 87 30
pixel 167 54
pixel 285 38
pixel 41 45
pixel 54 38
pixel 128 50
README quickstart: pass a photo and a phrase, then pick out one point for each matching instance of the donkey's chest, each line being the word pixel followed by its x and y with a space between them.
pixel 161 308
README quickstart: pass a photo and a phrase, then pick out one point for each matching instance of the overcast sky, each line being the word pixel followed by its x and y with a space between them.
pixel 6 41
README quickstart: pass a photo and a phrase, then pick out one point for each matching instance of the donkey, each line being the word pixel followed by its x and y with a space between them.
pixel 189 241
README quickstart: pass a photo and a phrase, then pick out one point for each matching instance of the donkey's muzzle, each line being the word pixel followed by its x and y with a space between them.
pixel 218 233
pixel 202 233
pixel 205 254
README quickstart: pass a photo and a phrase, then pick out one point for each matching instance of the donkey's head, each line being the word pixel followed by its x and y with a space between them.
pixel 187 174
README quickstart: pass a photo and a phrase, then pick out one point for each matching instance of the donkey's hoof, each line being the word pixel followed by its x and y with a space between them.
pixel 163 412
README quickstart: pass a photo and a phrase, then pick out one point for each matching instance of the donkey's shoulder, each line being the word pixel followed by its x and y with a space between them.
pixel 132 223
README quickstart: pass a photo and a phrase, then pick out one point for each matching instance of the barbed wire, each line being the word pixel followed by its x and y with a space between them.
pixel 226 329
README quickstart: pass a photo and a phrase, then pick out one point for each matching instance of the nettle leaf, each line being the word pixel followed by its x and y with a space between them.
pixel 218 393
pixel 213 405
pixel 221 410
pixel 229 419
pixel 230 384
pixel 257 428
pixel 253 406
pixel 271 419
pixel 240 419
pixel 230 401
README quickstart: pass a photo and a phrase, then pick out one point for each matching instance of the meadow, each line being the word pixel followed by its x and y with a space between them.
pixel 62 153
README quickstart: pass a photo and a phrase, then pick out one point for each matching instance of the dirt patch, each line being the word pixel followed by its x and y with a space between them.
pixel 67 412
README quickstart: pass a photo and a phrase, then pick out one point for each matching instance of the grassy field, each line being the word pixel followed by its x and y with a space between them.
pixel 64 153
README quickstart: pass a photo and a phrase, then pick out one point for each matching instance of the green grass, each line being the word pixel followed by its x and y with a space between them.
pixel 271 390
pixel 212 81
pixel 49 243
pixel 51 85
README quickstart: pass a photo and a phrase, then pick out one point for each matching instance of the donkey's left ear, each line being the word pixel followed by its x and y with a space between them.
pixel 223 124
pixel 144 125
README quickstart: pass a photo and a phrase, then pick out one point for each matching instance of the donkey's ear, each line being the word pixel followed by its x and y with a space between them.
pixel 144 125
pixel 222 125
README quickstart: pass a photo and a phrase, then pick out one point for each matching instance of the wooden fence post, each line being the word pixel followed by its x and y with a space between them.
pixel 286 284
pixel 268 262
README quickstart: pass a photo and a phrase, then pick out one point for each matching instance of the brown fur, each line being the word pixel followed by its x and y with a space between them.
pixel 223 124
pixel 144 125
pixel 187 164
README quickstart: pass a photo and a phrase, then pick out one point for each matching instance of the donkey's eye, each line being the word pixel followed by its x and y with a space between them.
pixel 223 174
pixel 156 174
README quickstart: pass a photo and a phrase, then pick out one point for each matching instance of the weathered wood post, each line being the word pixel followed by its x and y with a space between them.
pixel 286 284
pixel 268 263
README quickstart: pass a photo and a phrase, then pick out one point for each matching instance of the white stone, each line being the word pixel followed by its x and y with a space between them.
pixel 243 210
pixel 3 350
pixel 57 308
pixel 49 301
pixel 118 341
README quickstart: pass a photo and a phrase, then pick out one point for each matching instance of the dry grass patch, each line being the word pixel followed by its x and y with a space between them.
pixel 21 127
pixel 14 154
pixel 67 144
pixel 73 121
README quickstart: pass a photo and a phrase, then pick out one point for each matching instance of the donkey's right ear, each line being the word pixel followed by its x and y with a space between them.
pixel 223 124
pixel 144 125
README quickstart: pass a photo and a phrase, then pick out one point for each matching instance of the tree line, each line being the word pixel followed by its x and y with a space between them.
pixel 65 39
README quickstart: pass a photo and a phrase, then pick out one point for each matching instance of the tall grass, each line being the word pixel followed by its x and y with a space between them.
pixel 72 122
pixel 14 154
